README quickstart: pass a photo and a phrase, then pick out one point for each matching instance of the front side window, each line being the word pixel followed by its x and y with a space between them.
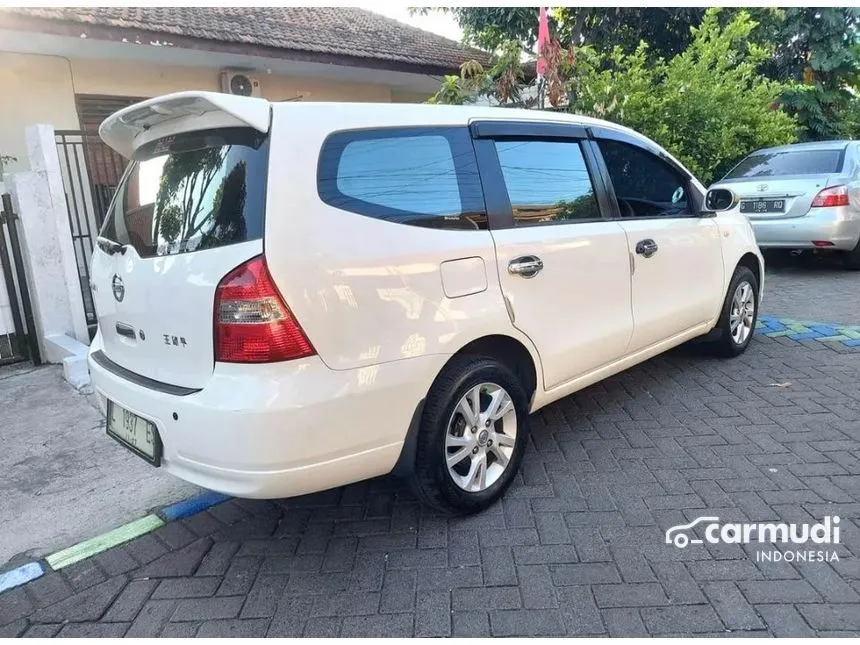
pixel 418 176
pixel 191 192
pixel 547 182
pixel 645 185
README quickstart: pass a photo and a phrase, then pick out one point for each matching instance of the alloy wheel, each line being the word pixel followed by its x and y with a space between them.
pixel 742 313
pixel 481 437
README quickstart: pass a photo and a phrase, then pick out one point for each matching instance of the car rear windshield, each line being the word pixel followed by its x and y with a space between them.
pixel 190 192
pixel 796 162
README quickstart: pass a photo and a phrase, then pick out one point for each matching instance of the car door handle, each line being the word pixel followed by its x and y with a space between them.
pixel 125 330
pixel 646 248
pixel 527 266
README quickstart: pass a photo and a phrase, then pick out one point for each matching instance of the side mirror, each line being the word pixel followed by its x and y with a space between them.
pixel 720 199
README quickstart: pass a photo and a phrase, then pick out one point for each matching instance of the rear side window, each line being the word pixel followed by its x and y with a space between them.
pixel 794 162
pixel 418 176
pixel 191 192
pixel 547 182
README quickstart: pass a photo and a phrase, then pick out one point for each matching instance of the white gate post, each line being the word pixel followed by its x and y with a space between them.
pixel 47 247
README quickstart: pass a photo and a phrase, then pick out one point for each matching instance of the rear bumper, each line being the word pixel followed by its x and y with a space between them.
pixel 839 225
pixel 279 430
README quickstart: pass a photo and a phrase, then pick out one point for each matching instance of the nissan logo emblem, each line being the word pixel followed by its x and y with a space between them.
pixel 118 288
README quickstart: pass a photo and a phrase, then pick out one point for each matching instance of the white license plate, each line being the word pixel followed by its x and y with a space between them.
pixel 137 434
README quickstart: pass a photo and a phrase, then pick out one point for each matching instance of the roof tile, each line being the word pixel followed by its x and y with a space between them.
pixel 330 30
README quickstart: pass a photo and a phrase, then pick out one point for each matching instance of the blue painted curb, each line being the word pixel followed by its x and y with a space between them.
pixel 192 505
pixel 23 574
pixel 798 330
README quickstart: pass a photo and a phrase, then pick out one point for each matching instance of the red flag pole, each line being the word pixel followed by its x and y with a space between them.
pixel 542 43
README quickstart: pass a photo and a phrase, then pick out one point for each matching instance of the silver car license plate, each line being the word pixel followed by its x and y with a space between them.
pixel 754 206
pixel 134 432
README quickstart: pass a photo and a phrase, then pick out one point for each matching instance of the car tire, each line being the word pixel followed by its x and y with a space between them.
pixel 851 259
pixel 449 428
pixel 732 342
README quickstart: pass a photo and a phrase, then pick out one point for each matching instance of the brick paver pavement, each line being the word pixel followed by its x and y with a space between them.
pixel 576 546
pixel 811 290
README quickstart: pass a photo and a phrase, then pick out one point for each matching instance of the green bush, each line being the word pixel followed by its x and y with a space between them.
pixel 708 105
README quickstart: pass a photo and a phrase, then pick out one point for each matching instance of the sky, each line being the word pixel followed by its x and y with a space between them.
pixel 436 22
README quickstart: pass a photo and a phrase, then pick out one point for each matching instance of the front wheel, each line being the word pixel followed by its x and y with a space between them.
pixel 739 315
pixel 473 433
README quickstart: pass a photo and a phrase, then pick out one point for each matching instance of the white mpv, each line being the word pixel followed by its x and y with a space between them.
pixel 296 296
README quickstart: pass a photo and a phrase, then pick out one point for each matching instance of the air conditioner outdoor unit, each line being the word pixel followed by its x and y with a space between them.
pixel 239 83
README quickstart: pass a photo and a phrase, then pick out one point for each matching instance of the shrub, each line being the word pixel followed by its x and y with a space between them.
pixel 708 105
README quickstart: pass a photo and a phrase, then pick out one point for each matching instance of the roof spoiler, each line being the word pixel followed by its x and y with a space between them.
pixel 125 131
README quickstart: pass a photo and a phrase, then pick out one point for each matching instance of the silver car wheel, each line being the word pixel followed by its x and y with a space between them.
pixel 742 313
pixel 481 437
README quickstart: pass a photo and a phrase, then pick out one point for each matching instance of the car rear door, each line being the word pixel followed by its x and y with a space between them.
pixel 676 254
pixel 189 209
pixel 563 268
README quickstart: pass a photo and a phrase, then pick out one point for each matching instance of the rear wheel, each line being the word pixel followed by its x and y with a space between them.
pixel 851 259
pixel 473 432
pixel 739 315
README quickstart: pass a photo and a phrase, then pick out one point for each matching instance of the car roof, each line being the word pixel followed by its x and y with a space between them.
pixel 434 114
pixel 133 126
pixel 808 145
pixel 426 114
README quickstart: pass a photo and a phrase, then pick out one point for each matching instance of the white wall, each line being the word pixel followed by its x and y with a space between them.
pixel 46 244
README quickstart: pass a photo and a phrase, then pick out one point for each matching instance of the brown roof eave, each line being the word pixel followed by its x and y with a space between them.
pixel 117 34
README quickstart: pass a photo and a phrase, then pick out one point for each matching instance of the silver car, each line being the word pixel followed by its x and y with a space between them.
pixel 802 196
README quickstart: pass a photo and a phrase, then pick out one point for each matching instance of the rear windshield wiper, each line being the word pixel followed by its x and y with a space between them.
pixel 110 247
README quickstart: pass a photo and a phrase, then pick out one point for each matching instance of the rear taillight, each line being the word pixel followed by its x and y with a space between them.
pixel 252 322
pixel 836 196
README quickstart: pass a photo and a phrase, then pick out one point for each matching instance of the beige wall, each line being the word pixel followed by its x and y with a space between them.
pixel 400 96
pixel 33 89
pixel 41 89
pixel 137 79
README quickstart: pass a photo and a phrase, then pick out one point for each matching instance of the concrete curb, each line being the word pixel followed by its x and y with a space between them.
pixel 82 550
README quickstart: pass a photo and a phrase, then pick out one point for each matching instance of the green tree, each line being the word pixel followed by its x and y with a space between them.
pixel 818 49
pixel 665 29
pixel 814 50
pixel 503 82
pixel 708 106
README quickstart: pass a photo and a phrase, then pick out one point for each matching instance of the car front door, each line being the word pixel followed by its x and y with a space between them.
pixel 676 253
pixel 563 267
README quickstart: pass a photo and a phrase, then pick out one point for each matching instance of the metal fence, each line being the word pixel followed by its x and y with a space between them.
pixel 91 173
pixel 17 327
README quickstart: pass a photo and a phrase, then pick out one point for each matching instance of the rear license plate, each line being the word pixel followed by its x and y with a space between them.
pixel 762 206
pixel 137 434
